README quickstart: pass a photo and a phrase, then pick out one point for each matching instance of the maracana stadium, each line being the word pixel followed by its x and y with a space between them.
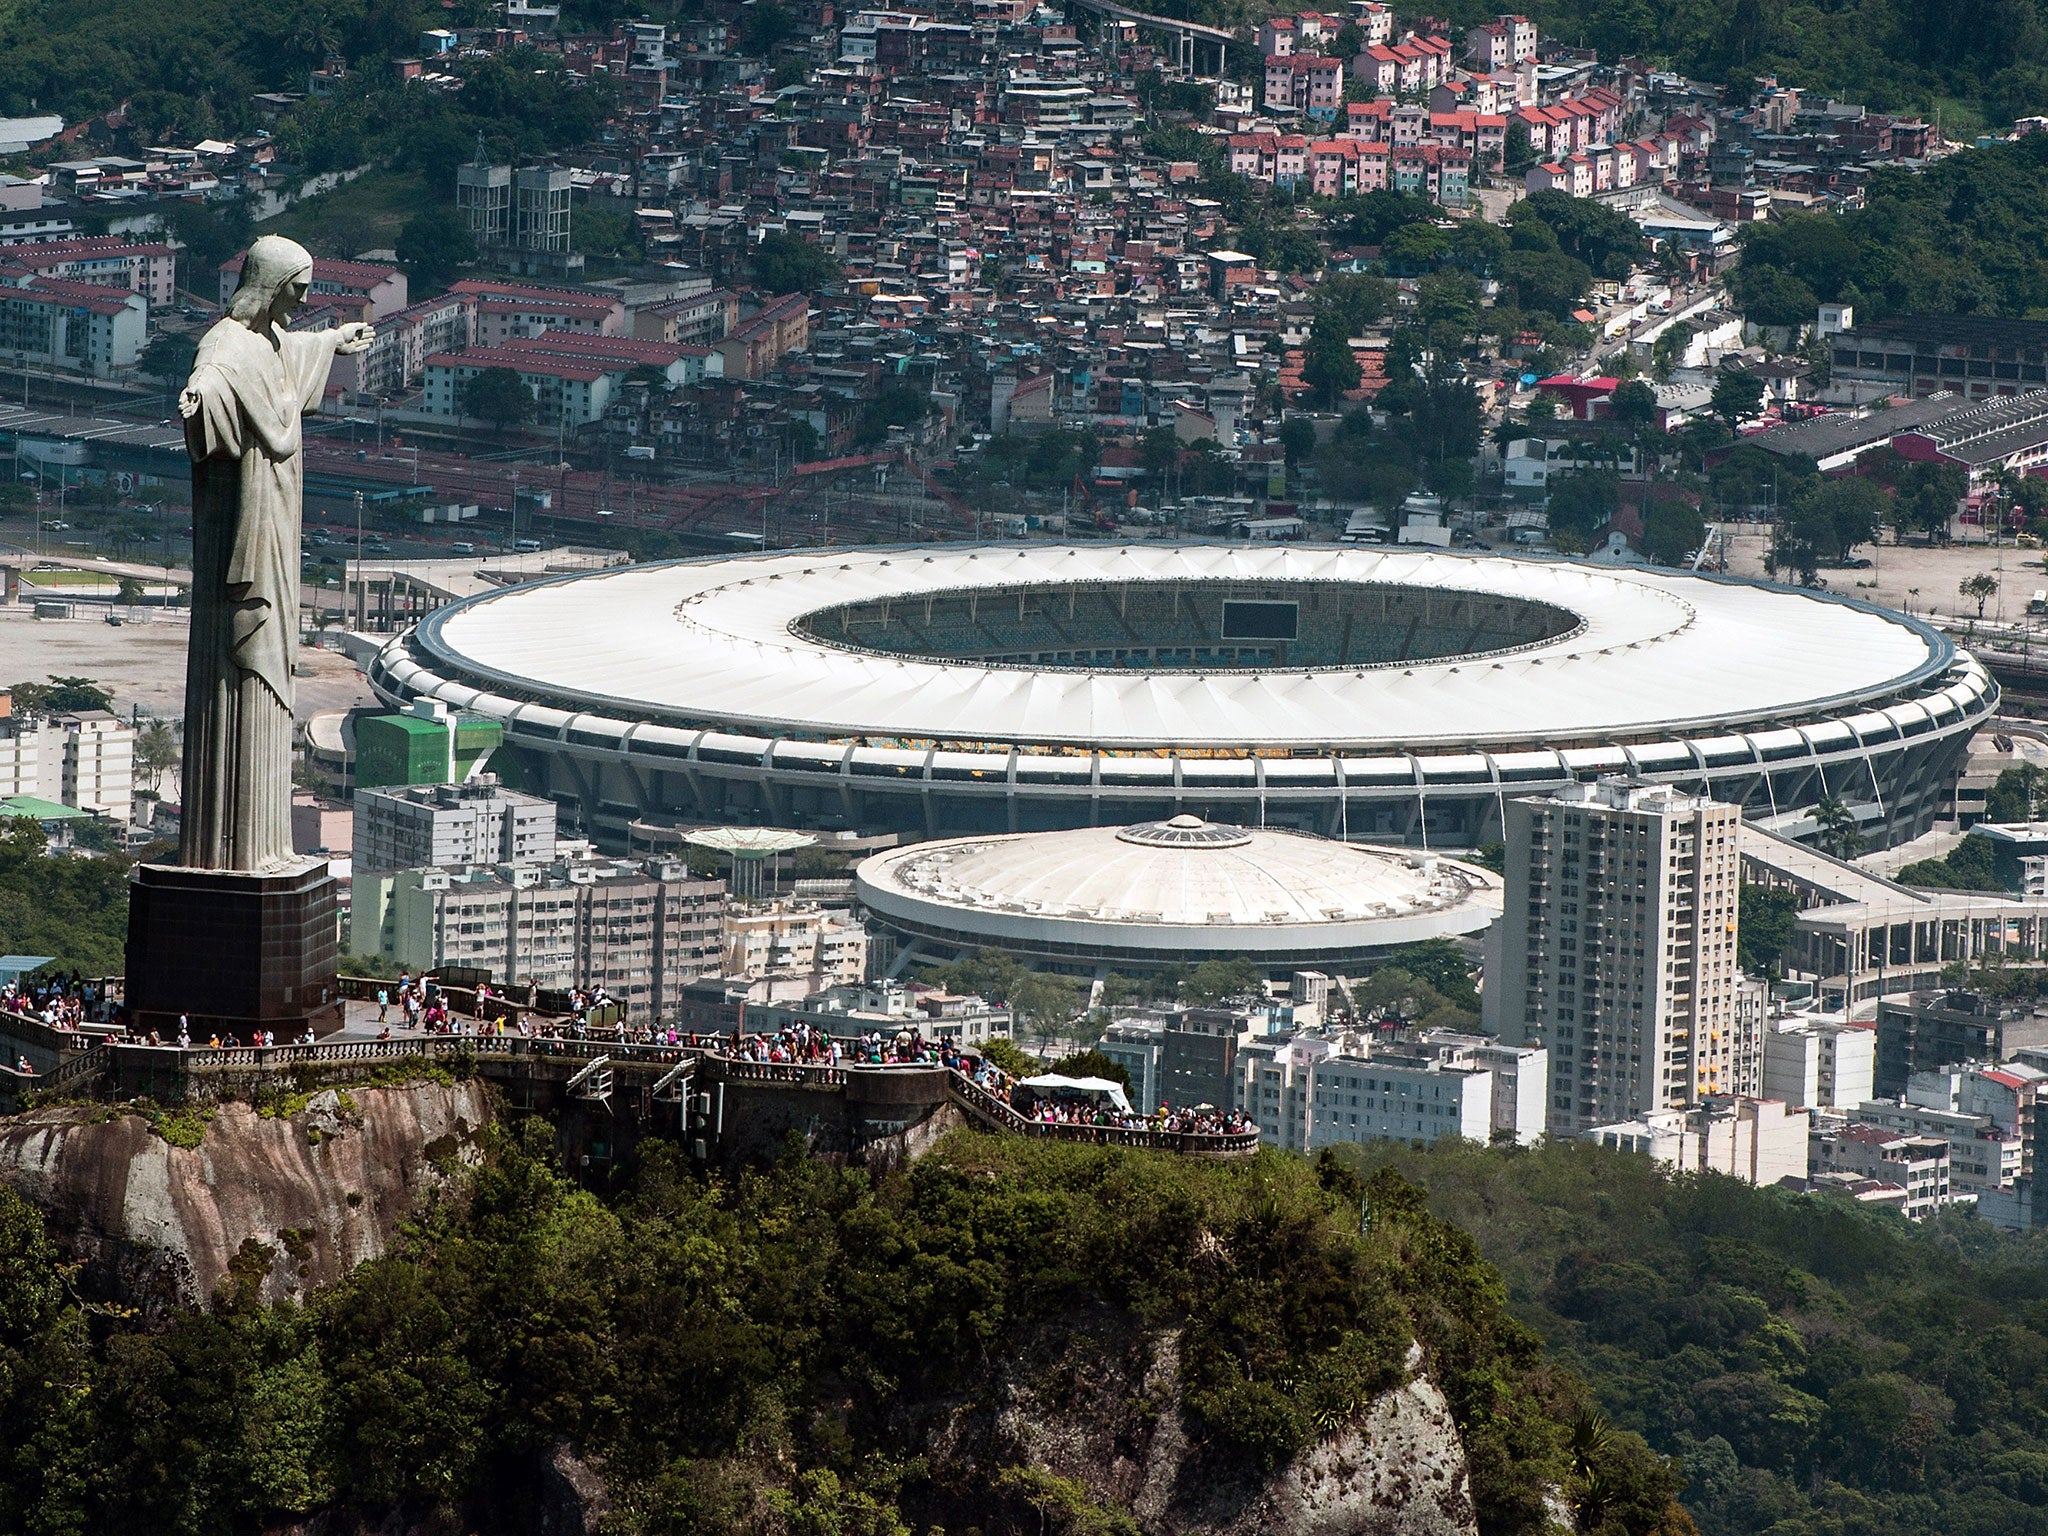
pixel 1383 695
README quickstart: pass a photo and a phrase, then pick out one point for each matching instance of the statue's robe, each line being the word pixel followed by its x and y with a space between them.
pixel 248 475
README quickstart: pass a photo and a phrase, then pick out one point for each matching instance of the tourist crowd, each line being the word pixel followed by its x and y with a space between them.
pixel 807 1045
pixel 61 1002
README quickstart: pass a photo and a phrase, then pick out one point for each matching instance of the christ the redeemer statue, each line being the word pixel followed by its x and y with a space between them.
pixel 252 382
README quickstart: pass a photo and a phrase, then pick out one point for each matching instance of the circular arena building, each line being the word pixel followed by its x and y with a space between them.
pixel 1182 890
pixel 1388 695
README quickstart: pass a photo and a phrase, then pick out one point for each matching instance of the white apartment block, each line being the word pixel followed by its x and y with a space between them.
pixel 1617 951
pixel 799 940
pixel 1917 1164
pixel 443 826
pixel 98 763
pixel 84 760
pixel 1981 1156
pixel 1311 1092
pixel 639 930
pixel 1819 1063
pixel 1759 1141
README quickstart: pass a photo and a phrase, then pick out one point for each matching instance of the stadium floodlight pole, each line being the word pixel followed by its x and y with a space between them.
pixel 362 597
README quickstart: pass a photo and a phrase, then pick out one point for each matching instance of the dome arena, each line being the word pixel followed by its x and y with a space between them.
pixel 1177 891
pixel 1385 695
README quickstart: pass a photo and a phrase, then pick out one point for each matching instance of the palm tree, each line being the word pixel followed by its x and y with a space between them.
pixel 1837 824
pixel 316 35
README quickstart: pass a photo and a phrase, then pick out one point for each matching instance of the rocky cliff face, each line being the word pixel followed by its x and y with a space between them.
pixel 292 1202
pixel 1103 1412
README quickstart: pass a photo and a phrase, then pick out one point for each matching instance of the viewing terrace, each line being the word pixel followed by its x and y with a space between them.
pixel 697 1087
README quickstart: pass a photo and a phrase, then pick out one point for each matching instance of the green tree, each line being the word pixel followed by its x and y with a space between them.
pixel 1606 240
pixel 1582 501
pixel 169 357
pixel 1836 829
pixel 60 695
pixel 1548 282
pixel 1981 588
pixel 1516 153
pixel 499 396
pixel 2017 794
pixel 1329 368
pixel 1216 981
pixel 1093 1063
pixel 1011 1057
pixel 1044 1004
pixel 899 405
pixel 157 752
pixel 1672 527
pixel 1355 301
pixel 1736 397
pixel 1765 922
pixel 1634 409
pixel 1829 517
pixel 432 246
pixel 1297 439
pixel 786 263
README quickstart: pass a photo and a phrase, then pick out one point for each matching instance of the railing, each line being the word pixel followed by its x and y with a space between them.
pixel 431 1047
pixel 1005 1116
pixel 80 1068
pixel 737 1069
pixel 26 1027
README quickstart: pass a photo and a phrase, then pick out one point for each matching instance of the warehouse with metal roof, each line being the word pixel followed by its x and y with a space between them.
pixel 1388 694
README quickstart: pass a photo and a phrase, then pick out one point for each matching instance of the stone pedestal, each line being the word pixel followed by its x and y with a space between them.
pixel 235 952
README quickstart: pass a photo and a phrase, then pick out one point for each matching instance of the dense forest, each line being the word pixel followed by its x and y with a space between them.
pixel 1967 236
pixel 1972 60
pixel 192 68
pixel 783 1353
pixel 73 909
pixel 191 71
pixel 1817 1369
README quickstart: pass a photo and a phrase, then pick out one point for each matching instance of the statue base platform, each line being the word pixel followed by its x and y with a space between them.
pixel 232 951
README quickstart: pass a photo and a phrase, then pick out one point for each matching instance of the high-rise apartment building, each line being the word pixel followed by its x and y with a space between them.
pixel 416 826
pixel 640 930
pixel 84 759
pixel 1617 950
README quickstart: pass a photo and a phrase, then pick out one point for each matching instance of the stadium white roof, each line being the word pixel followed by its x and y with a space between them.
pixel 1183 884
pixel 715 643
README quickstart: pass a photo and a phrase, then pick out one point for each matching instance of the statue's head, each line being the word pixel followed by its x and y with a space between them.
pixel 276 275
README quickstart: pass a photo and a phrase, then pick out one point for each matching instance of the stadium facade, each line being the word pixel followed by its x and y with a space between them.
pixel 1392 696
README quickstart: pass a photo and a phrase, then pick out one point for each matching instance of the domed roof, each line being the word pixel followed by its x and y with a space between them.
pixel 1182 873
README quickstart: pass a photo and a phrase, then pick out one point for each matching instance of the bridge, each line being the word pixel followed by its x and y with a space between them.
pixel 1186 33
pixel 606 1091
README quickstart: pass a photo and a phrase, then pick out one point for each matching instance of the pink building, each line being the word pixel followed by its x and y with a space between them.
pixel 1573 174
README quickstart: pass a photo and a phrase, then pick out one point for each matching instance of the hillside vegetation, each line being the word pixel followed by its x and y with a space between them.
pixel 793 1352
pixel 1818 1369
pixel 1967 236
